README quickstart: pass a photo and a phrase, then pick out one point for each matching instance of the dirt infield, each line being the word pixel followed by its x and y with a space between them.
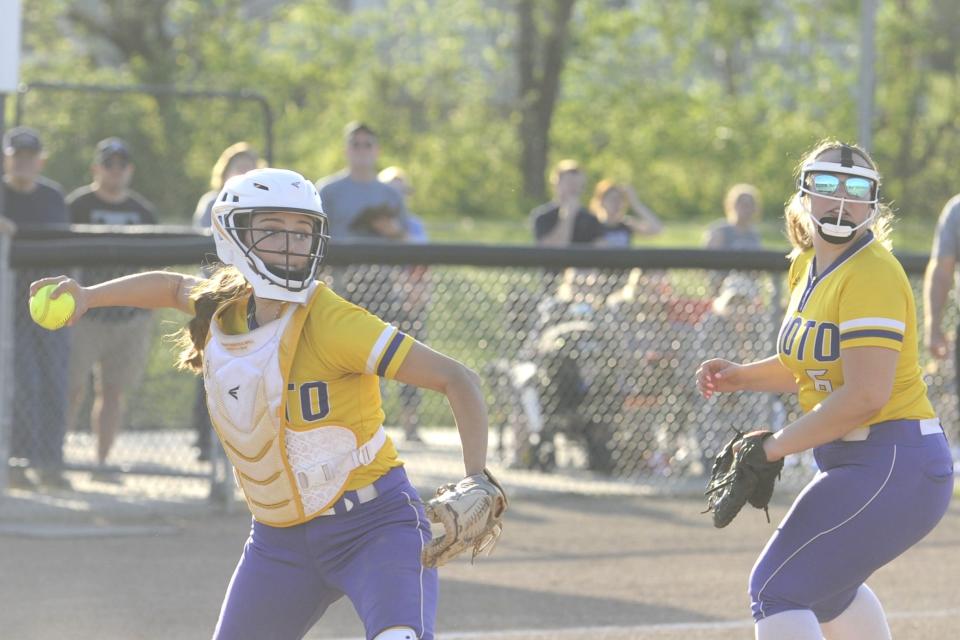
pixel 568 566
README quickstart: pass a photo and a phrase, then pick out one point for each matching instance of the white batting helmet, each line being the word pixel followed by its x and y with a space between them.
pixel 232 217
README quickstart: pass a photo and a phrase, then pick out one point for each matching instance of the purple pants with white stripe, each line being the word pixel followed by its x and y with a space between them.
pixel 287 577
pixel 872 500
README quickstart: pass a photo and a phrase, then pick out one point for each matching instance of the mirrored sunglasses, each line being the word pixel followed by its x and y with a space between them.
pixel 855 186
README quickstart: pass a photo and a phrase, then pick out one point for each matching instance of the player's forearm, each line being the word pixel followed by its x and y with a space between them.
pixel 558 236
pixel 936 286
pixel 7 226
pixel 646 219
pixel 844 410
pixel 644 226
pixel 149 290
pixel 470 413
pixel 768 374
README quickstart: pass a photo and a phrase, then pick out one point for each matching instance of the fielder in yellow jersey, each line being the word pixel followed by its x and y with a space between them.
pixel 864 300
pixel 291 374
pixel 335 372
pixel 848 348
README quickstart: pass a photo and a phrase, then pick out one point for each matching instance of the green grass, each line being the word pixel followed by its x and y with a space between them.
pixel 910 235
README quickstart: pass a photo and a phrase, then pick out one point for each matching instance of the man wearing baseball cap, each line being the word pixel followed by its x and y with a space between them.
pixel 109 198
pixel 113 342
pixel 23 160
pixel 40 356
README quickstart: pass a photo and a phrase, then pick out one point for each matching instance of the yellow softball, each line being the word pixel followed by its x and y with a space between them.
pixel 51 313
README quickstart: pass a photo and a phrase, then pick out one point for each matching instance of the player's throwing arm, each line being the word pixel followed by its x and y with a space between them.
pixel 292 377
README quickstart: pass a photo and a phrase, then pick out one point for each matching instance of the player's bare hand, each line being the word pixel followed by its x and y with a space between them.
pixel 717 376
pixel 65 284
pixel 7 226
pixel 937 344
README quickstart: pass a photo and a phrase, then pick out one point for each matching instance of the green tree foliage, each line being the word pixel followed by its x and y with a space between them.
pixel 918 139
pixel 136 42
pixel 681 99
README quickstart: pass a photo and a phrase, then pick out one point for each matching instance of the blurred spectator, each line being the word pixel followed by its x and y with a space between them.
pixel 381 222
pixel 416 299
pixel 235 160
pixel 397 178
pixel 347 193
pixel 939 278
pixel 114 342
pixel 564 220
pixel 361 206
pixel 7 226
pixel 41 357
pixel 391 292
pixel 737 232
pixel 742 208
pixel 610 204
pixel 937 283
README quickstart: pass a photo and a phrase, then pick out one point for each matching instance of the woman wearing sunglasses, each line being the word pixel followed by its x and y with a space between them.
pixel 848 347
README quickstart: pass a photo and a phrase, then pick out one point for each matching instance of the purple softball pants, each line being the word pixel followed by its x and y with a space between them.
pixel 287 577
pixel 872 500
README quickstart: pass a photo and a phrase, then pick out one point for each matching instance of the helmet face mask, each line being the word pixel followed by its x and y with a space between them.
pixel 834 228
pixel 292 256
pixel 270 225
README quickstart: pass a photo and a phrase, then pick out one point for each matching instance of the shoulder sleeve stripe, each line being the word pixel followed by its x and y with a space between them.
pixel 871 333
pixel 391 351
pixel 873 322
pixel 378 348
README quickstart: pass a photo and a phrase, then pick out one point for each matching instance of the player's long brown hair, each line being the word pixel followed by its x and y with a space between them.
pixel 799 227
pixel 224 286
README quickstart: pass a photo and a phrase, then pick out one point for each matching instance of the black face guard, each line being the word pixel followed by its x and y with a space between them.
pixel 239 224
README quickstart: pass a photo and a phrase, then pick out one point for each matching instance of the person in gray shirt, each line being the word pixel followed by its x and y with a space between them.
pixel 356 188
pixel 741 209
pixel 937 282
pixel 938 279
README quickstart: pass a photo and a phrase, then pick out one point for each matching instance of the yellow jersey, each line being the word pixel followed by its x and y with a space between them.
pixel 863 299
pixel 342 352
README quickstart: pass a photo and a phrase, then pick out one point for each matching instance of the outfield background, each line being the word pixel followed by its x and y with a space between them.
pixel 678 99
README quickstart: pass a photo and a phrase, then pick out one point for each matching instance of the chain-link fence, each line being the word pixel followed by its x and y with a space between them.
pixel 588 362
pixel 6 353
pixel 189 128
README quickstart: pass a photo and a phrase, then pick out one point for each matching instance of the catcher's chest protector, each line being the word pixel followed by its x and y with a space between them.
pixel 245 384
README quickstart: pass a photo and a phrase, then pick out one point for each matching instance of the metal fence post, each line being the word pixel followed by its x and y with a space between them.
pixel 777 305
pixel 6 357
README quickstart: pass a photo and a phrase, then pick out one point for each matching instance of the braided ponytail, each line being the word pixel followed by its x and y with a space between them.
pixel 224 286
